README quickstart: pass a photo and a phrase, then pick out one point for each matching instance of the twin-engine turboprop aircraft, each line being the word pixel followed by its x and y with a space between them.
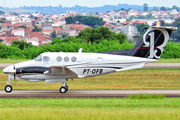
pixel 58 67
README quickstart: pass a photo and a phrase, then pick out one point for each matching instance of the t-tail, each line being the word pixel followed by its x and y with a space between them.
pixel 151 45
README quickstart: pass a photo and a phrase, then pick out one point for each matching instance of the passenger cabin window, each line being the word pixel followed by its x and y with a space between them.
pixel 59 59
pixel 39 58
pixel 46 59
pixel 99 59
pixel 73 59
pixel 66 59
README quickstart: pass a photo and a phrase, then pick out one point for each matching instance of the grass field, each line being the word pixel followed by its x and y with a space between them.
pixel 98 109
pixel 90 109
pixel 21 60
pixel 133 79
pixel 12 60
pixel 168 61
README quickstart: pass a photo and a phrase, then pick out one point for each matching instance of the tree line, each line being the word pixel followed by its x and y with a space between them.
pixel 94 22
pixel 91 40
pixel 23 50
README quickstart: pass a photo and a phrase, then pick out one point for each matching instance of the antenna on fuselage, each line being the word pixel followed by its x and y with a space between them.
pixel 80 50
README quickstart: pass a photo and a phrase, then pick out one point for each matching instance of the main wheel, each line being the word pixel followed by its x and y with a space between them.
pixel 8 88
pixel 63 90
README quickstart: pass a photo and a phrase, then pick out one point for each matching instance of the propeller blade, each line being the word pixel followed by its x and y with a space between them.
pixel 14 67
pixel 14 73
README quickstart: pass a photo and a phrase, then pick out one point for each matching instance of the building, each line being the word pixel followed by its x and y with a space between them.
pixel 129 31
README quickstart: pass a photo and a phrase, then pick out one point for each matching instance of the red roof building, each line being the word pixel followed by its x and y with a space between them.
pixel 6 24
pixel 8 40
pixel 36 34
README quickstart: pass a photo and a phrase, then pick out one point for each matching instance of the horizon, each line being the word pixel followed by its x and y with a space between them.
pixel 84 3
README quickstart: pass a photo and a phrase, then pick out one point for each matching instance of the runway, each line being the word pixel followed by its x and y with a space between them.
pixel 84 93
pixel 91 93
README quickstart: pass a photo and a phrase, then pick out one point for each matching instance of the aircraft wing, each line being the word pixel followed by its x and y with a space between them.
pixel 59 71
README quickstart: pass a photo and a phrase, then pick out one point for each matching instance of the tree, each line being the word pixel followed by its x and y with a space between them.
pixel 87 20
pixel 96 35
pixel 155 8
pixel 145 7
pixel 171 16
pixel 53 34
pixel 21 44
pixel 169 8
pixel 31 16
pixel 176 8
pixel 22 26
pixel 131 18
pixel 15 13
pixel 36 29
pixel 96 13
pixel 64 35
pixel 149 16
pixel 1 21
pixel 2 13
pixel 175 34
pixel 163 8
pixel 162 23
pixel 141 29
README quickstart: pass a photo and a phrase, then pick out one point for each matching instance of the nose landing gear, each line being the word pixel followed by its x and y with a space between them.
pixel 8 88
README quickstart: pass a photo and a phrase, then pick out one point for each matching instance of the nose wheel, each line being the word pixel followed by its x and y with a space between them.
pixel 8 88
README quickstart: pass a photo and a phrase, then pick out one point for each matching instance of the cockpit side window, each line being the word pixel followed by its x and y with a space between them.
pixel 46 59
pixel 39 58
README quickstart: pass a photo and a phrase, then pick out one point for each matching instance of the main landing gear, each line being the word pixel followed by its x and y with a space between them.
pixel 8 88
pixel 64 88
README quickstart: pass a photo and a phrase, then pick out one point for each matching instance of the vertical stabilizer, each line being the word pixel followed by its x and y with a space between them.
pixel 153 42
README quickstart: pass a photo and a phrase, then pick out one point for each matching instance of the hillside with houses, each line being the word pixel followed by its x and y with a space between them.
pixel 37 28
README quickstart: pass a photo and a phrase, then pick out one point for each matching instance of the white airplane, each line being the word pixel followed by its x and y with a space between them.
pixel 58 67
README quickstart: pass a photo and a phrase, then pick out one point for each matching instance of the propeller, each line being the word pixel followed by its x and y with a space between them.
pixel 14 68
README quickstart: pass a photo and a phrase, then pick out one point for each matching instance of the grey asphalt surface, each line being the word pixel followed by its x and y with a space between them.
pixel 149 65
pixel 84 93
pixel 91 93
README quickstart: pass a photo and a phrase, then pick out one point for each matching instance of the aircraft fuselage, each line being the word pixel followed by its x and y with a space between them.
pixel 77 65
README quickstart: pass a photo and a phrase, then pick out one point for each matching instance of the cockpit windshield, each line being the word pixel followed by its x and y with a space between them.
pixel 38 59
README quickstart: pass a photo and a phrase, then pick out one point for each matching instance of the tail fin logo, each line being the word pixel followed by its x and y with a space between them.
pixel 156 40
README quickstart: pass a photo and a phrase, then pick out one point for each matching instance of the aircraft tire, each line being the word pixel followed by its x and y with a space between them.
pixel 8 88
pixel 66 87
pixel 63 89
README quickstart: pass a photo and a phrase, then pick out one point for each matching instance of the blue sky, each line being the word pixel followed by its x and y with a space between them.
pixel 89 3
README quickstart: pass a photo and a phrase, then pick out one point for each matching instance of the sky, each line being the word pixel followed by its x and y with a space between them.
pixel 89 3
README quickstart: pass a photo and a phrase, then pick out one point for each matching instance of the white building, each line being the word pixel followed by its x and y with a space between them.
pixel 129 31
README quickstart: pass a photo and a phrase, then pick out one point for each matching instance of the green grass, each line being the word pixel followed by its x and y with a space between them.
pixel 147 96
pixel 168 61
pixel 90 109
pixel 12 60
pixel 132 79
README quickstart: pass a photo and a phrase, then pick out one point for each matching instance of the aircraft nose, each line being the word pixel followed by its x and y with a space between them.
pixel 7 70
